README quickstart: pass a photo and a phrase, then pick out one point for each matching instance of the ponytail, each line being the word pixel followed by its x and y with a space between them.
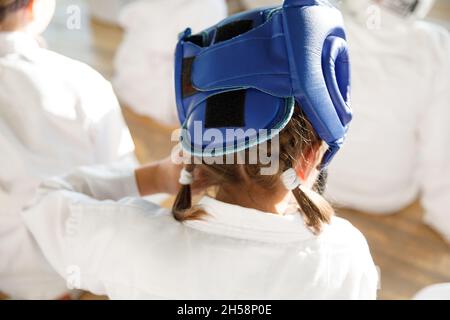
pixel 183 201
pixel 7 7
pixel 182 208
pixel 316 210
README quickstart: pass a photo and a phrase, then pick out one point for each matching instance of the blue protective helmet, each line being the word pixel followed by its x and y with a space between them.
pixel 248 71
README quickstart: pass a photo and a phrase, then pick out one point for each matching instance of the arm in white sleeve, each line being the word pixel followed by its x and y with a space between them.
pixel 77 219
pixel 113 140
pixel 434 141
pixel 369 281
pixel 108 182
pixel 110 135
pixel 363 272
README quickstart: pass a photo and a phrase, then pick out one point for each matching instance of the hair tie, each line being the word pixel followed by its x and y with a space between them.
pixel 290 179
pixel 185 178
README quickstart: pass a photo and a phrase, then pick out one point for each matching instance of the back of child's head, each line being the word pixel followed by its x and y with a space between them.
pixel 26 15
pixel 298 143
pixel 11 7
pixel 281 75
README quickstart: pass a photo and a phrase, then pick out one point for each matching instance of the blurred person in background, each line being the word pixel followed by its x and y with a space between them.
pixel 107 10
pixel 144 62
pixel 55 114
pixel 399 146
pixel 401 99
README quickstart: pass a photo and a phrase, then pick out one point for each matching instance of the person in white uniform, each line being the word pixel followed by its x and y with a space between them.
pixel 144 61
pixel 243 240
pixel 398 147
pixel 55 114
pixel 102 237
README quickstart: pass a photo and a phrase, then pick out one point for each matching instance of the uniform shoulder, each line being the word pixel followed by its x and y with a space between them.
pixel 342 233
pixel 76 69
pixel 433 34
pixel 94 94
pixel 430 28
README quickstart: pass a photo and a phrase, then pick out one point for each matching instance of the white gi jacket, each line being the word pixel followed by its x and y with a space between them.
pixel 128 248
pixel 399 144
pixel 55 114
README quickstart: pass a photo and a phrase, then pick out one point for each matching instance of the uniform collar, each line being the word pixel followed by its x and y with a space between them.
pixel 16 42
pixel 244 223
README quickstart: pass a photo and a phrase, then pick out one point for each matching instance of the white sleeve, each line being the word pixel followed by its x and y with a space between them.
pixel 100 109
pixel 106 182
pixel 364 272
pixel 369 282
pixel 76 220
pixel 352 271
pixel 112 139
pixel 434 140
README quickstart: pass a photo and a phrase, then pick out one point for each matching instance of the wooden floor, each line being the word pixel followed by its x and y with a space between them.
pixel 409 254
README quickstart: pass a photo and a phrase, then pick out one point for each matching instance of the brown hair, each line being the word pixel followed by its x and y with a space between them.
pixel 9 6
pixel 296 141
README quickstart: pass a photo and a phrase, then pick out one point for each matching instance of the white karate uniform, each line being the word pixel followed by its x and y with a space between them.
pixel 144 63
pixel 55 114
pixel 128 248
pixel 399 144
pixel 434 292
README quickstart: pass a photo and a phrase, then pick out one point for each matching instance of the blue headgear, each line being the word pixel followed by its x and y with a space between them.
pixel 248 71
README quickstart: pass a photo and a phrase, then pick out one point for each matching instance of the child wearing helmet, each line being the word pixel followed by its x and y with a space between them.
pixel 251 91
